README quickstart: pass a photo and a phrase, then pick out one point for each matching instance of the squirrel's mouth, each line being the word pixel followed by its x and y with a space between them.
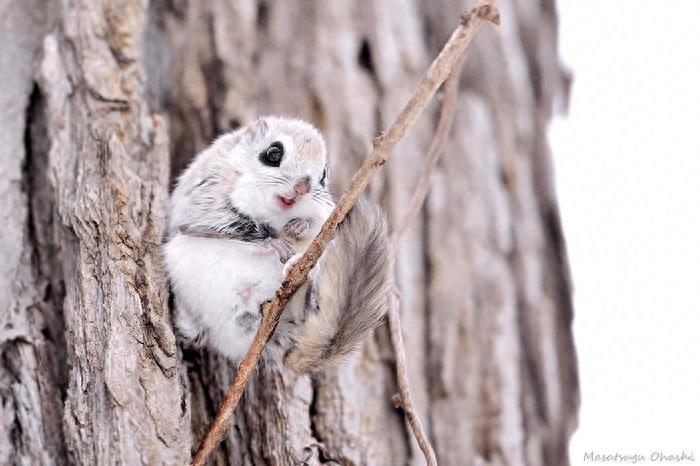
pixel 286 202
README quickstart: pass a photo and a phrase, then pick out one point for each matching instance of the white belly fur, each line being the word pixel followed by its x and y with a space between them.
pixel 216 283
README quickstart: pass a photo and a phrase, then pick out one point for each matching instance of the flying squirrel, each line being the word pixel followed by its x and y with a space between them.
pixel 243 211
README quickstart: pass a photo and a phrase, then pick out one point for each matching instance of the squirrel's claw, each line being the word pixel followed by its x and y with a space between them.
pixel 295 228
pixel 282 247
pixel 290 262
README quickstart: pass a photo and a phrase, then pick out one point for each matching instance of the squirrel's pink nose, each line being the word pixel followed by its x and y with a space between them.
pixel 303 186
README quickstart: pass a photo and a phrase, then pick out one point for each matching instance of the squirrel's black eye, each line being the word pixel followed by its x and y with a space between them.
pixel 322 182
pixel 272 156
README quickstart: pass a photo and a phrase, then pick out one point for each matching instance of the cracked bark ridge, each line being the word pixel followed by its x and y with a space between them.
pixel 105 164
pixel 90 371
pixel 30 336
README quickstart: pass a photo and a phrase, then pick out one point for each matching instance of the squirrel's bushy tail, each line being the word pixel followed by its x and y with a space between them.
pixel 349 294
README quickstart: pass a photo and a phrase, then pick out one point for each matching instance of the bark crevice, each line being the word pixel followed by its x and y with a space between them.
pixel 91 371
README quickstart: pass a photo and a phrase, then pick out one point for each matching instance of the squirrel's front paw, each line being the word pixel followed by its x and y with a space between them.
pixel 281 246
pixel 295 228
pixel 290 263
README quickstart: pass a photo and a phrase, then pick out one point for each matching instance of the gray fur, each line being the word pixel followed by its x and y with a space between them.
pixel 200 204
pixel 200 200
pixel 351 291
pixel 282 246
pixel 248 322
pixel 239 227
pixel 347 293
pixel 295 228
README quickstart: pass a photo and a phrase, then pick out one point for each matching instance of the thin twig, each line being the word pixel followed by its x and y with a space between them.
pixel 437 145
pixel 383 144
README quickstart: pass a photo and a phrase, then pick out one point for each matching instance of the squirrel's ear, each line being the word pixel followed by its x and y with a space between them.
pixel 256 130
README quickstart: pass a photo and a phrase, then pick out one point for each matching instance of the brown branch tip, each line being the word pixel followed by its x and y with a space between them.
pixel 486 11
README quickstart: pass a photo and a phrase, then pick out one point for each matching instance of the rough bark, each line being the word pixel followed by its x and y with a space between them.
pixel 31 371
pixel 97 171
pixel 90 370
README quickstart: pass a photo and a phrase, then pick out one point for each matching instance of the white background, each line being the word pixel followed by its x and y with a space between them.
pixel 628 178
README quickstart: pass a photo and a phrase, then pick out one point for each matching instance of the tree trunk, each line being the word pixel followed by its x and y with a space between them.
pixel 104 101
